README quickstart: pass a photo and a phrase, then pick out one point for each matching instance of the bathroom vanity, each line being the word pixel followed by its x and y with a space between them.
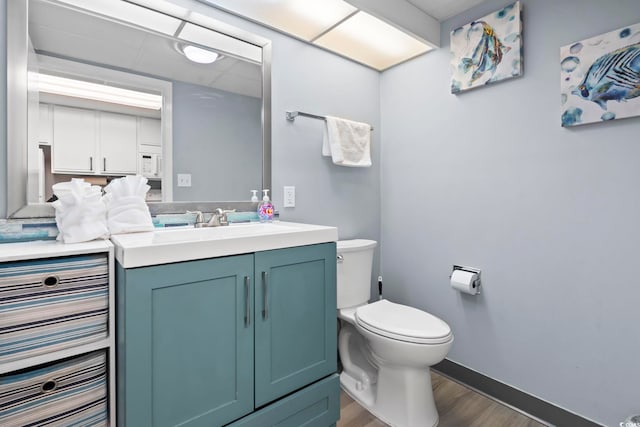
pixel 227 326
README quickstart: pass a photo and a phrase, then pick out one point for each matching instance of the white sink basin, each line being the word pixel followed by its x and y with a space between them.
pixel 174 245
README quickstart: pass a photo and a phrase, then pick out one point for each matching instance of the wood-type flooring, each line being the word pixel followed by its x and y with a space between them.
pixel 458 406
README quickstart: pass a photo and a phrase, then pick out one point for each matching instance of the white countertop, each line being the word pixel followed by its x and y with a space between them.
pixel 49 248
pixel 174 245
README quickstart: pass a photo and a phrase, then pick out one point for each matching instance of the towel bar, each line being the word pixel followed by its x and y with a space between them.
pixel 291 116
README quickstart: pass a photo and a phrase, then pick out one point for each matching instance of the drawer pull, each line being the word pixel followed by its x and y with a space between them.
pixel 49 386
pixel 51 281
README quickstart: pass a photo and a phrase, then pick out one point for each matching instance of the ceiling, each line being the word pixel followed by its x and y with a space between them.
pixel 68 33
pixel 444 9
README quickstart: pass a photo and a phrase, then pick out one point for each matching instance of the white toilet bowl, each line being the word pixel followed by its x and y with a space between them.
pixel 386 351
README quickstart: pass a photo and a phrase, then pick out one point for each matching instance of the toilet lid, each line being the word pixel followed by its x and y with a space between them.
pixel 403 323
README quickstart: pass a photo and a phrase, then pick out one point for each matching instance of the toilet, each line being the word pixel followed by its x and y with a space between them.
pixel 386 349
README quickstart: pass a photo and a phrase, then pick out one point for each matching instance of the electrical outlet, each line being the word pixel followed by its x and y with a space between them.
pixel 184 180
pixel 289 197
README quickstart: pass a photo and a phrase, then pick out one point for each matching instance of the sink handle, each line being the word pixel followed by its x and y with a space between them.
pixel 265 295
pixel 199 217
pixel 247 301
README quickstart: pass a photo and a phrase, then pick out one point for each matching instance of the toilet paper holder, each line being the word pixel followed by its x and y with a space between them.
pixel 471 270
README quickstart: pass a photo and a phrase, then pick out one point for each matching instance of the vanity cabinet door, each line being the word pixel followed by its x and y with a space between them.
pixel 188 355
pixel 295 310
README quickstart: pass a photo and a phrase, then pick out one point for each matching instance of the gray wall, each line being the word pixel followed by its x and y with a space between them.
pixel 489 179
pixel 218 140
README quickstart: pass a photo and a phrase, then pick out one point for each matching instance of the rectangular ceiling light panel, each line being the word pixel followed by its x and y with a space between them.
pixel 97 92
pixel 305 19
pixel 373 42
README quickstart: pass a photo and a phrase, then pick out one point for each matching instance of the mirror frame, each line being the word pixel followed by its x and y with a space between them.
pixel 17 123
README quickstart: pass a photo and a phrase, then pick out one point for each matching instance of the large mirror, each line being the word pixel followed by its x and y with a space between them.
pixel 101 89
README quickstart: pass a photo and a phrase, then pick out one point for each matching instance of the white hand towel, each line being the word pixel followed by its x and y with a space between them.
pixel 347 142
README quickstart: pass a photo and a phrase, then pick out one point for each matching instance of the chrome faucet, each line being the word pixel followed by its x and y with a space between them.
pixel 218 218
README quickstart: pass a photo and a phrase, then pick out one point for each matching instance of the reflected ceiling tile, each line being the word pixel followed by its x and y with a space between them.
pixel 368 40
pixel 222 43
pixel 128 12
pixel 305 19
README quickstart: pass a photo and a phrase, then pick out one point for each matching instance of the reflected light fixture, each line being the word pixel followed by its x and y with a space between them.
pixel 199 55
pixel 94 91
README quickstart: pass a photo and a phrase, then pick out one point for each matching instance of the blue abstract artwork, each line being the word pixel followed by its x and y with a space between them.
pixel 600 78
pixel 487 50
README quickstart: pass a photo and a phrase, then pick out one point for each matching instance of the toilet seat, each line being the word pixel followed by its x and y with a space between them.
pixel 402 323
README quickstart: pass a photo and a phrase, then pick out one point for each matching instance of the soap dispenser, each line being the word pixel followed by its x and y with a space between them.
pixel 254 196
pixel 265 208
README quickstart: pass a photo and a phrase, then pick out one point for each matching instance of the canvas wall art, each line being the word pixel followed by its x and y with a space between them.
pixel 600 77
pixel 487 50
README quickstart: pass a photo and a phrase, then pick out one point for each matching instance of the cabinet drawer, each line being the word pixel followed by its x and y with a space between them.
pixel 317 405
pixel 52 304
pixel 73 392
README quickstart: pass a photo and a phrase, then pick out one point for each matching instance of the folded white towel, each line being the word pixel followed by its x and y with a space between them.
pixel 347 142
pixel 131 185
pixel 129 217
pixel 80 212
pixel 127 211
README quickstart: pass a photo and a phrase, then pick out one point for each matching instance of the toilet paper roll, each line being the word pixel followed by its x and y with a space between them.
pixel 465 281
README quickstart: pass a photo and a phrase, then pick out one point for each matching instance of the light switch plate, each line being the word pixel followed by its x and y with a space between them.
pixel 184 180
pixel 289 196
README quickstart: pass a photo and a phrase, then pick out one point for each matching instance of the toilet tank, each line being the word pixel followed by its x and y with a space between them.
pixel 355 260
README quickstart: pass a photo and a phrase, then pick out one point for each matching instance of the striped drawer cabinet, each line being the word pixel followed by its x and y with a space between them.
pixel 57 334
pixel 69 393
pixel 52 304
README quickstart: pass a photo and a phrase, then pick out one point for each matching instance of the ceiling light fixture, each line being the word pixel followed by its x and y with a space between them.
pixel 94 91
pixel 371 41
pixel 199 55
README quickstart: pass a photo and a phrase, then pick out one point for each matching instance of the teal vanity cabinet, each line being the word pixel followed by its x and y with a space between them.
pixel 208 342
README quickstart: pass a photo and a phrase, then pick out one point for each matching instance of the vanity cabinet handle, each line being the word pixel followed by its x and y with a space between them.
pixel 104 164
pixel 265 295
pixel 51 281
pixel 91 163
pixel 247 301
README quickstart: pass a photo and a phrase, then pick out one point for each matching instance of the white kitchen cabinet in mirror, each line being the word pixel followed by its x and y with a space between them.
pixel 117 137
pixel 74 140
pixel 93 142
pixel 211 118
pixel 149 132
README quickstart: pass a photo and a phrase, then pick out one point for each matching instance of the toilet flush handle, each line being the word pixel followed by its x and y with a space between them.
pixel 340 258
